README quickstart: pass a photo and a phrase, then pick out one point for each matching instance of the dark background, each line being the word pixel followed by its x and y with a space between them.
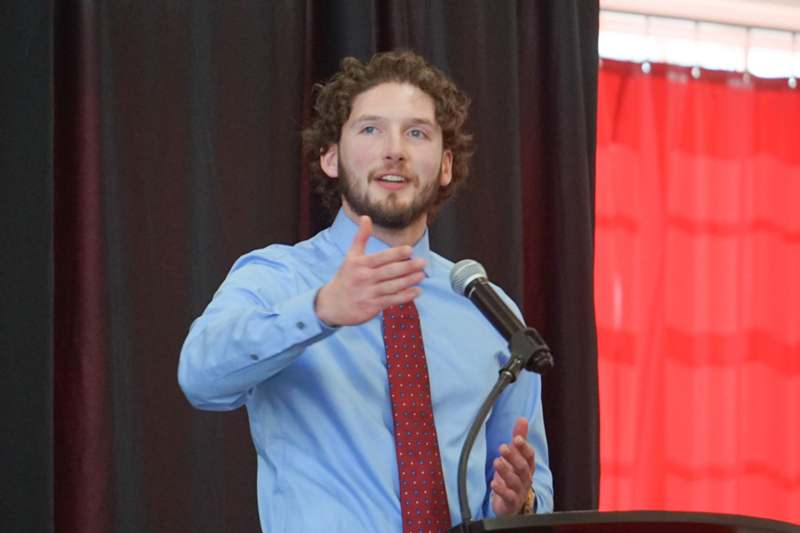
pixel 146 145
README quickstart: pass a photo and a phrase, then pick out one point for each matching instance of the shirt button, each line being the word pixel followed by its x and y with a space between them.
pixel 301 325
pixel 254 357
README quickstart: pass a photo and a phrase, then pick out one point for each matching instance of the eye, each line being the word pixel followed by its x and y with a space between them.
pixel 369 130
pixel 417 133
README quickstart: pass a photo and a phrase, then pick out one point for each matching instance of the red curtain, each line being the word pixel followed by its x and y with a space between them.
pixel 697 280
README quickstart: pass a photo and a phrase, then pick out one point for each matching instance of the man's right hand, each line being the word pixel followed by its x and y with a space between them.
pixel 367 284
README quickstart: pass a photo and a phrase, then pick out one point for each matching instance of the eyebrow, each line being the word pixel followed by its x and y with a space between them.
pixel 377 118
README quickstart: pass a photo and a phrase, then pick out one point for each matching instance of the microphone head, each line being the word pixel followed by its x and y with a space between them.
pixel 464 273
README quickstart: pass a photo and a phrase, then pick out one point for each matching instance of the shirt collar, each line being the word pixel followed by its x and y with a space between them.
pixel 343 231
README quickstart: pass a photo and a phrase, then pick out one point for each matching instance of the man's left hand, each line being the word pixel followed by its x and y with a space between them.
pixel 513 472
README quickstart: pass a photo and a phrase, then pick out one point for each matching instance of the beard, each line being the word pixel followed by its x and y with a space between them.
pixel 388 213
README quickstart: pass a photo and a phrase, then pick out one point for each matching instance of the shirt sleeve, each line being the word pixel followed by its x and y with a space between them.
pixel 258 322
pixel 523 398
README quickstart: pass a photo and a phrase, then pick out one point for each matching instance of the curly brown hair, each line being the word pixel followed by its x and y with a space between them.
pixel 334 100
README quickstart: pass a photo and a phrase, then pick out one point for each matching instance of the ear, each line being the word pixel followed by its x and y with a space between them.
pixel 329 161
pixel 447 168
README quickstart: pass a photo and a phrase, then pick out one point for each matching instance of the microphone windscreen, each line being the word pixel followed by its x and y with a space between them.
pixel 465 272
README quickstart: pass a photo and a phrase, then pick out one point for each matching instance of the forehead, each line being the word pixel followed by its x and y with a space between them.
pixel 394 100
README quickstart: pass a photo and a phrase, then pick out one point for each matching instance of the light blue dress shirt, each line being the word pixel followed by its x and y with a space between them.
pixel 318 399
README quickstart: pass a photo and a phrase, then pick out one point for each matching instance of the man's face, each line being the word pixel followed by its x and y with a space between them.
pixel 390 159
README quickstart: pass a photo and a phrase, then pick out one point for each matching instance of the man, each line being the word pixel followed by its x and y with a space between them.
pixel 360 368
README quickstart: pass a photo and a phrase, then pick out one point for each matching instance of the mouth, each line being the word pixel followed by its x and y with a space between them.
pixel 392 182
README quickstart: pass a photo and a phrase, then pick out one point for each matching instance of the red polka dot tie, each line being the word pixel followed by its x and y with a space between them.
pixel 423 499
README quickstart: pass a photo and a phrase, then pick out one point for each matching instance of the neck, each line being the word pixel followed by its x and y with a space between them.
pixel 393 237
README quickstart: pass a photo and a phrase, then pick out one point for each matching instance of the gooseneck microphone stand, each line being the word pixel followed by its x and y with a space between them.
pixel 528 351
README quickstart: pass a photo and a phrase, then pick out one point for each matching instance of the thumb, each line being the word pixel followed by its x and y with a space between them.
pixel 360 241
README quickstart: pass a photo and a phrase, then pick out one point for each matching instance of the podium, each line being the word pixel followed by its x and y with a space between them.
pixel 627 522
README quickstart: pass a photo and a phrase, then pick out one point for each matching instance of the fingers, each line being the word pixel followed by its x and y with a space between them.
pixel 376 260
pixel 526 451
pixel 361 238
pixel 520 428
pixel 517 458
pixel 396 285
pixel 508 497
pixel 391 272
pixel 508 489
pixel 513 470
pixel 506 472
pixel 399 269
pixel 392 255
pixel 402 297
pixel 519 438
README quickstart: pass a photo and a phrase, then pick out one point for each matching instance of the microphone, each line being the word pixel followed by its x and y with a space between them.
pixel 468 278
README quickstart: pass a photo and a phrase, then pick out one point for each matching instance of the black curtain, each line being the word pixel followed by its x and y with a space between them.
pixel 26 267
pixel 167 135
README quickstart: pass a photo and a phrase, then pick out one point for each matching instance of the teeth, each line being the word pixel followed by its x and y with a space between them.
pixel 393 178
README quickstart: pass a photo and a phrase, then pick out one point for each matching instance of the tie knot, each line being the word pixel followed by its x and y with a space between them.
pixel 407 311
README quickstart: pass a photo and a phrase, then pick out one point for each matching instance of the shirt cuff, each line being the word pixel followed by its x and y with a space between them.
pixel 299 320
pixel 325 327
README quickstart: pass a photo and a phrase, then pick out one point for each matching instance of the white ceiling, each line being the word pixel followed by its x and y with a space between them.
pixel 772 14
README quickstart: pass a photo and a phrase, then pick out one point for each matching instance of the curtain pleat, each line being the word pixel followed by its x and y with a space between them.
pixel 81 417
pixel 26 267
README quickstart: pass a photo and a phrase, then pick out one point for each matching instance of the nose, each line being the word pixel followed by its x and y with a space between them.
pixel 395 148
